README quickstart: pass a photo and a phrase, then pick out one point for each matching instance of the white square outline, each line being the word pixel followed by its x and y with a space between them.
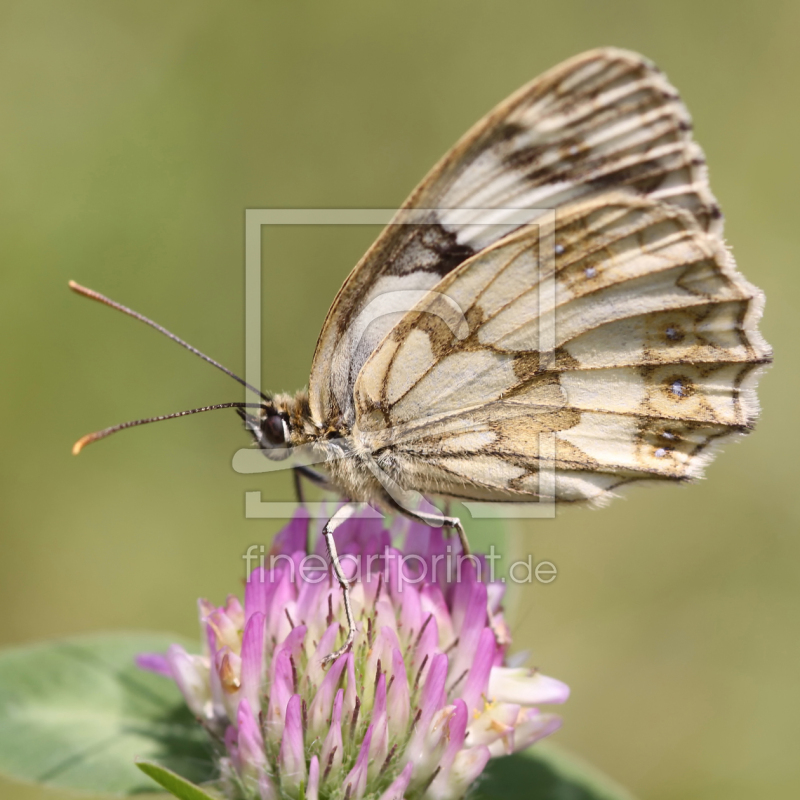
pixel 255 218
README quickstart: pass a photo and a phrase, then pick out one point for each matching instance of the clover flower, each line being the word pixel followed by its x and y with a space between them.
pixel 414 710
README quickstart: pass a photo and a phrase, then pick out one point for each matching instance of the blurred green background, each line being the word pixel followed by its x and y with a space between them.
pixel 135 135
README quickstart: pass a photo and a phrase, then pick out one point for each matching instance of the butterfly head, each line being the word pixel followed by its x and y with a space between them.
pixel 276 426
pixel 270 428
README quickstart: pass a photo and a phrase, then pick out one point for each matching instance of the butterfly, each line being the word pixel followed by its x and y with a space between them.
pixel 557 282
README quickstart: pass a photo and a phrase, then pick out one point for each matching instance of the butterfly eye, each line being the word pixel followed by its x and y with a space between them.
pixel 275 429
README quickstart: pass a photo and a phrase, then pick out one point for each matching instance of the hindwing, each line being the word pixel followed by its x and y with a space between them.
pixel 655 356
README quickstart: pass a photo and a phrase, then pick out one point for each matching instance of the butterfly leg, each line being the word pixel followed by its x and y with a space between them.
pixel 298 486
pixel 318 479
pixel 311 475
pixel 343 514
pixel 436 521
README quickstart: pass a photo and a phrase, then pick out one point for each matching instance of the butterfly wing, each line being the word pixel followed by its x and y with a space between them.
pixel 607 118
pixel 655 360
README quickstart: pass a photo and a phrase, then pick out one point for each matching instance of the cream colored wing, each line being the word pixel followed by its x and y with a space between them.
pixel 655 361
pixel 605 119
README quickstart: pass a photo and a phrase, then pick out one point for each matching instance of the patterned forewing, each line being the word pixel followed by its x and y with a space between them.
pixel 604 119
pixel 656 356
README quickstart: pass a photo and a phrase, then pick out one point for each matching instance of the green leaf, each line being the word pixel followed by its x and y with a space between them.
pixel 173 782
pixel 75 713
pixel 546 772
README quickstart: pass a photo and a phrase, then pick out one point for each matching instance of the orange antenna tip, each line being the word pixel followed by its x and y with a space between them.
pixel 81 443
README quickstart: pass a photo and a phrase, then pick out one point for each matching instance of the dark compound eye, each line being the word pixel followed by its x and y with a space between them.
pixel 275 429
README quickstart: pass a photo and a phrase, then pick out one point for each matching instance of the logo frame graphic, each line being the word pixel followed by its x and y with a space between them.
pixel 250 461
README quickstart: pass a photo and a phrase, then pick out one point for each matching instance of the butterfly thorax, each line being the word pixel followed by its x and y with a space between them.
pixel 285 426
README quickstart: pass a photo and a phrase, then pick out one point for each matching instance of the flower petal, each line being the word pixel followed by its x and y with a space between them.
pixel 280 692
pixel 398 703
pixel 429 748
pixel 320 709
pixel 232 745
pixel 191 676
pixel 312 787
pixel 266 788
pixel 425 645
pixel 456 731
pixel 253 659
pixel 467 766
pixel 350 689
pixel 495 726
pixel 278 625
pixel 477 682
pixel 154 662
pixel 419 748
pixel 225 629
pixel 397 788
pixel 433 693
pixel 294 536
pixel 471 628
pixel 228 667
pixel 410 614
pixel 442 784
pixel 463 579
pixel 332 748
pixel 532 725
pixel 380 729
pixel 291 758
pixel 252 759
pixel 525 687
pixel 357 777
pixel 495 592
pixel 315 669
pixel 433 602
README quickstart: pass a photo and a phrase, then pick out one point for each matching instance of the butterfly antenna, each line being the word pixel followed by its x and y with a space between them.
pixel 92 295
pixel 93 437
